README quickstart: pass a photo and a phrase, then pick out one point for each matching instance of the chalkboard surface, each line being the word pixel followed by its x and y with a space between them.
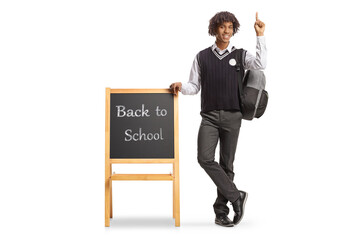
pixel 141 125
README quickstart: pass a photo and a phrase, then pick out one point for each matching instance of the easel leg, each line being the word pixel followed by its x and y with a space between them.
pixel 177 195
pixel 107 202
pixel 111 198
pixel 174 195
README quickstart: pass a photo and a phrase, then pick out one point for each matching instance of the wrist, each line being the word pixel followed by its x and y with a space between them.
pixel 259 34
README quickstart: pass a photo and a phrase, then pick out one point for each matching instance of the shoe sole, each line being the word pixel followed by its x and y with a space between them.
pixel 243 207
pixel 219 223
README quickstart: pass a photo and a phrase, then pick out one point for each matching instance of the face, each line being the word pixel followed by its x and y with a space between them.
pixel 224 32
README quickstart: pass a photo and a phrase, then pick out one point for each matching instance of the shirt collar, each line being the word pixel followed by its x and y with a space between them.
pixel 229 48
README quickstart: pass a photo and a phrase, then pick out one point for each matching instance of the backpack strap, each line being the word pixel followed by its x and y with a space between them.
pixel 240 59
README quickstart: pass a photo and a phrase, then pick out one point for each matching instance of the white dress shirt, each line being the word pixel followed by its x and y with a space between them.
pixel 252 62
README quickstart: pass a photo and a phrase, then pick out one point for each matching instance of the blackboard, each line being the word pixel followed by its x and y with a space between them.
pixel 141 125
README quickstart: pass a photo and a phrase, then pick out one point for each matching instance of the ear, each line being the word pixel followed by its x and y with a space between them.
pixel 215 32
pixel 217 29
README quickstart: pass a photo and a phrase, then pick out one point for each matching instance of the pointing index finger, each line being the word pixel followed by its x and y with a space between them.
pixel 257 16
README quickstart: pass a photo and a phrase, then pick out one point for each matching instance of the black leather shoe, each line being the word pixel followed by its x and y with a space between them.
pixel 239 207
pixel 224 221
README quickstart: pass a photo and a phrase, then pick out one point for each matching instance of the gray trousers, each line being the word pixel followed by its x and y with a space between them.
pixel 224 125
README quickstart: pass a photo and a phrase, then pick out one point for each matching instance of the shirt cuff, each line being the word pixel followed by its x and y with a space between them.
pixel 260 38
pixel 182 87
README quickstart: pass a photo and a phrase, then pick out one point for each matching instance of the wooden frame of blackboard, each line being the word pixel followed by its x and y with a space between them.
pixel 109 177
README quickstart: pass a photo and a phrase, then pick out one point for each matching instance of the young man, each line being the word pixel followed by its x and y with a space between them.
pixel 216 71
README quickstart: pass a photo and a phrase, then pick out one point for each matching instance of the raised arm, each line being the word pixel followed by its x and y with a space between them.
pixel 259 61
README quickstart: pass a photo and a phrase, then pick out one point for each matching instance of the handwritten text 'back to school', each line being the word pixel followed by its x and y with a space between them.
pixel 140 136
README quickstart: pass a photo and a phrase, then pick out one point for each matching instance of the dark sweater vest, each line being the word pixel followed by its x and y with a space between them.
pixel 219 81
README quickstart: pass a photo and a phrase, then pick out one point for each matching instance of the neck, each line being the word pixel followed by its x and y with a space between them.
pixel 222 45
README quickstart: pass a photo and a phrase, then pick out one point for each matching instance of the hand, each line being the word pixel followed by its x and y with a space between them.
pixel 175 87
pixel 259 26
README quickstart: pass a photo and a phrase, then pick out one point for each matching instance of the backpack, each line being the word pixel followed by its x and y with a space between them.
pixel 253 96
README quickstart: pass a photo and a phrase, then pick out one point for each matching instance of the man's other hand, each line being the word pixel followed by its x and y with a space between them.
pixel 259 26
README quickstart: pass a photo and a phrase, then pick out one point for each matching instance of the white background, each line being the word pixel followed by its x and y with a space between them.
pixel 299 162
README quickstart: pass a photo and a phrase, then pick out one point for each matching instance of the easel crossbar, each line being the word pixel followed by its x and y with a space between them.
pixel 166 177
